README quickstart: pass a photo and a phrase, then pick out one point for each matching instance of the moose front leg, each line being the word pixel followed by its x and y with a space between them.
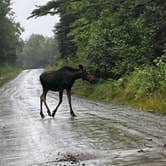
pixel 69 100
pixel 43 99
pixel 60 101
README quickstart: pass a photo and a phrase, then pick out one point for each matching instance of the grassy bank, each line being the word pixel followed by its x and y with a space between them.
pixel 110 91
pixel 7 73
pixel 144 89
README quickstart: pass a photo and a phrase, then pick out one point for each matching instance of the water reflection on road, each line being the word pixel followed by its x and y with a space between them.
pixel 100 134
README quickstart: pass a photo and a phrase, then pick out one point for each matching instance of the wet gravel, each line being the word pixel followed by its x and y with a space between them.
pixel 101 134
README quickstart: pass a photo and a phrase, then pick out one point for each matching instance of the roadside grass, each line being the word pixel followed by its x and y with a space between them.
pixel 7 73
pixel 109 91
pixel 144 88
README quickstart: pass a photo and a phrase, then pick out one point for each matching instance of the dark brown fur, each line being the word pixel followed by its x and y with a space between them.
pixel 59 80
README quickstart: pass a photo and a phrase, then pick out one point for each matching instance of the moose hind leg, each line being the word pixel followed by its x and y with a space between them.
pixel 60 101
pixel 48 110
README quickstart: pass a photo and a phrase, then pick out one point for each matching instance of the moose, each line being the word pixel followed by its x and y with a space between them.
pixel 60 80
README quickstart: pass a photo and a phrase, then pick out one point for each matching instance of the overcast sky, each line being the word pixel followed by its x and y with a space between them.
pixel 42 25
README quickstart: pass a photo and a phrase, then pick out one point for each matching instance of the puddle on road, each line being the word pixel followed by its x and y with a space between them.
pixel 105 135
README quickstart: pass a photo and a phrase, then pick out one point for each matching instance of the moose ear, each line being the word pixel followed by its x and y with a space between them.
pixel 81 67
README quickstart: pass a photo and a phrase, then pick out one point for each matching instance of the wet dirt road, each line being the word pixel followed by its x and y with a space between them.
pixel 100 134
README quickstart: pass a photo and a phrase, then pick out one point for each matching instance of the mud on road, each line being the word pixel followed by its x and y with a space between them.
pixel 101 134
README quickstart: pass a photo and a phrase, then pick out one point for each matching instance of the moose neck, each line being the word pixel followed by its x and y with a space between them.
pixel 77 75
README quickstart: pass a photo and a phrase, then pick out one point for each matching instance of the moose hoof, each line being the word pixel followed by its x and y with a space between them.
pixel 53 115
pixel 73 115
pixel 42 116
pixel 49 114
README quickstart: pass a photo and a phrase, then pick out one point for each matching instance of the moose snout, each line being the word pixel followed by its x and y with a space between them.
pixel 93 80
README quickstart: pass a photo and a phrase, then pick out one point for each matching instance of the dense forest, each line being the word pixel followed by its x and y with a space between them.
pixel 110 35
pixel 38 51
pixel 122 40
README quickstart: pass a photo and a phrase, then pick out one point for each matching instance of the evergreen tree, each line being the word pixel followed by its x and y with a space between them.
pixel 9 34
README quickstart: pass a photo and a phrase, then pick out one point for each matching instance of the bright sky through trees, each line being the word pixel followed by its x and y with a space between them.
pixel 43 25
